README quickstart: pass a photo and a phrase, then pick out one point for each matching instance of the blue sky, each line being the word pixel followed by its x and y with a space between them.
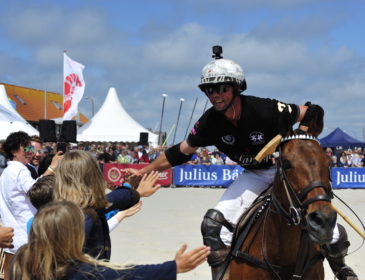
pixel 293 51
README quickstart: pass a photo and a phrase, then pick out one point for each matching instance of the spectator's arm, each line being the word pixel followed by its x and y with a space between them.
pixel 6 237
pixel 122 198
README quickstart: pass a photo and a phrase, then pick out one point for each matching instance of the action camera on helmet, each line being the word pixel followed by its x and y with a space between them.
pixel 217 52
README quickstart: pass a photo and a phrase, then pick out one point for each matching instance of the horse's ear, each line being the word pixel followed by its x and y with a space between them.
pixel 315 126
pixel 285 123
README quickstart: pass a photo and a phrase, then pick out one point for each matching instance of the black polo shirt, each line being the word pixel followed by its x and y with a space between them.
pixel 258 124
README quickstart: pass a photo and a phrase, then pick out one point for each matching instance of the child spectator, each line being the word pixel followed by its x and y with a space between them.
pixel 54 251
pixel 41 193
pixel 79 179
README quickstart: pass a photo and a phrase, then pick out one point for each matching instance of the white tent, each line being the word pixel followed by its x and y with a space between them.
pixel 10 120
pixel 112 123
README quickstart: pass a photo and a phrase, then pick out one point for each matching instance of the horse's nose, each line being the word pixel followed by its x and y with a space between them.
pixel 321 222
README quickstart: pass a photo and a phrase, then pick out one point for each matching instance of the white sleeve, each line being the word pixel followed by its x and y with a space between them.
pixel 25 179
pixel 112 223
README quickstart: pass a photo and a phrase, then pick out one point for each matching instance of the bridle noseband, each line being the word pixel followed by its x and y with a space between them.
pixel 298 205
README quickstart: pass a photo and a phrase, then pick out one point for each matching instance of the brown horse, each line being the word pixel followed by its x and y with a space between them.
pixel 293 220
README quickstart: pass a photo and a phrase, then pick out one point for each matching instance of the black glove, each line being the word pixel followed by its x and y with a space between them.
pixel 313 118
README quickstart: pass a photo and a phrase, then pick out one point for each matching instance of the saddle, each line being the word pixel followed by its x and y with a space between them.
pixel 243 228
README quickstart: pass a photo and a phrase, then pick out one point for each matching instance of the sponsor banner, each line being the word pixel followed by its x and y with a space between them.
pixel 205 175
pixel 114 173
pixel 348 178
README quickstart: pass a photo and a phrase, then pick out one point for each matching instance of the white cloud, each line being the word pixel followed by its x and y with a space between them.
pixel 289 59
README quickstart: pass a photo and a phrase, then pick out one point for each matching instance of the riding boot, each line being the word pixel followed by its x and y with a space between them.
pixel 335 254
pixel 211 228
pixel 216 261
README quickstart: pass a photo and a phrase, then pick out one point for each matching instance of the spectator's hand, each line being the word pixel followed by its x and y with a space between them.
pixel 6 237
pixel 55 160
pixel 129 212
pixel 147 185
pixel 190 260
pixel 133 180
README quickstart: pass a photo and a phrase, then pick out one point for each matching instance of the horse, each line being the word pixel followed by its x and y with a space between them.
pixel 283 238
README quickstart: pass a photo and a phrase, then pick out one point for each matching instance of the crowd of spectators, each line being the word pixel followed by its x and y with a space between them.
pixel 124 153
pixel 135 153
pixel 345 158
pixel 69 237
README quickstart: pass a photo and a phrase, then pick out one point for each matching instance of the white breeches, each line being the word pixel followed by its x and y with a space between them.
pixel 242 193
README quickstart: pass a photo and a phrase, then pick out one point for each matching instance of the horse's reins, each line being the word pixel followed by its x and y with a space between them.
pixel 296 201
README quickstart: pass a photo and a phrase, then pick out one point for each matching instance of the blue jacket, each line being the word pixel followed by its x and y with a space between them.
pixel 164 271
pixel 97 238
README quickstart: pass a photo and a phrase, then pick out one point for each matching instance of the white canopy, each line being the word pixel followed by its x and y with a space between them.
pixel 112 123
pixel 10 120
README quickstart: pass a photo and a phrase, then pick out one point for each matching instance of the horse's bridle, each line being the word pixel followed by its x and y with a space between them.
pixel 298 205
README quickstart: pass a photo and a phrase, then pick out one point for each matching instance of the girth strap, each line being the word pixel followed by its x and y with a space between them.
pixel 254 261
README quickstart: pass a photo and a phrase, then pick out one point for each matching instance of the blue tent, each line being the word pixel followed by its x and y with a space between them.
pixel 340 138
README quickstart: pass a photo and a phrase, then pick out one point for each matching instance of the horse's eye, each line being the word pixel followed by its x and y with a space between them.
pixel 286 164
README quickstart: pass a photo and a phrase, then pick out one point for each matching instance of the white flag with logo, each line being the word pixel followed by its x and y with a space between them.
pixel 73 86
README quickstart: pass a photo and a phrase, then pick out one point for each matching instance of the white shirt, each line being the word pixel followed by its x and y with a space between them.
pixel 15 207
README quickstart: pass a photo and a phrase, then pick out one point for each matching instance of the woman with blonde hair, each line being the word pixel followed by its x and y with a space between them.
pixel 79 179
pixel 54 251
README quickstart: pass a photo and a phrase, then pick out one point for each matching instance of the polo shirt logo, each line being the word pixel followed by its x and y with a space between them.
pixel 228 139
pixel 257 138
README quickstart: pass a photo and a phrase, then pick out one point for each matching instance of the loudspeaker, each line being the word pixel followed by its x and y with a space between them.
pixel 47 130
pixel 68 131
pixel 143 138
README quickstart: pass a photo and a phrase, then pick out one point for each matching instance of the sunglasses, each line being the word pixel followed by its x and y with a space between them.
pixel 28 149
pixel 216 88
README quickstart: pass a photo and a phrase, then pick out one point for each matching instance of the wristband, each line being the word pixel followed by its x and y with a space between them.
pixel 51 170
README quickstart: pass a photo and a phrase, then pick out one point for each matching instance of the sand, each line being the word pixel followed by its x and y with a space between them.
pixel 172 217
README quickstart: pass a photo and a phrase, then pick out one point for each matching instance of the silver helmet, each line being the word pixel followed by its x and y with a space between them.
pixel 221 71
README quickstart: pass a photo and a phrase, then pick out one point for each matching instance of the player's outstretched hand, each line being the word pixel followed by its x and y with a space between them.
pixel 133 171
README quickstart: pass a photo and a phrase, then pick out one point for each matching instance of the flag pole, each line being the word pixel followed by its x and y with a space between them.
pixel 63 85
pixel 205 106
pixel 45 104
pixel 192 113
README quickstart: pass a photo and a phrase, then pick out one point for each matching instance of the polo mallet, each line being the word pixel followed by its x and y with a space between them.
pixel 347 220
pixel 269 148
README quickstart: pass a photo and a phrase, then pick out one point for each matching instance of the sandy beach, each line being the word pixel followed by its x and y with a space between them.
pixel 172 217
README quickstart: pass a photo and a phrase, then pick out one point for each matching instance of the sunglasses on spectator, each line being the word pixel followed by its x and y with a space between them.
pixel 28 149
pixel 216 88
